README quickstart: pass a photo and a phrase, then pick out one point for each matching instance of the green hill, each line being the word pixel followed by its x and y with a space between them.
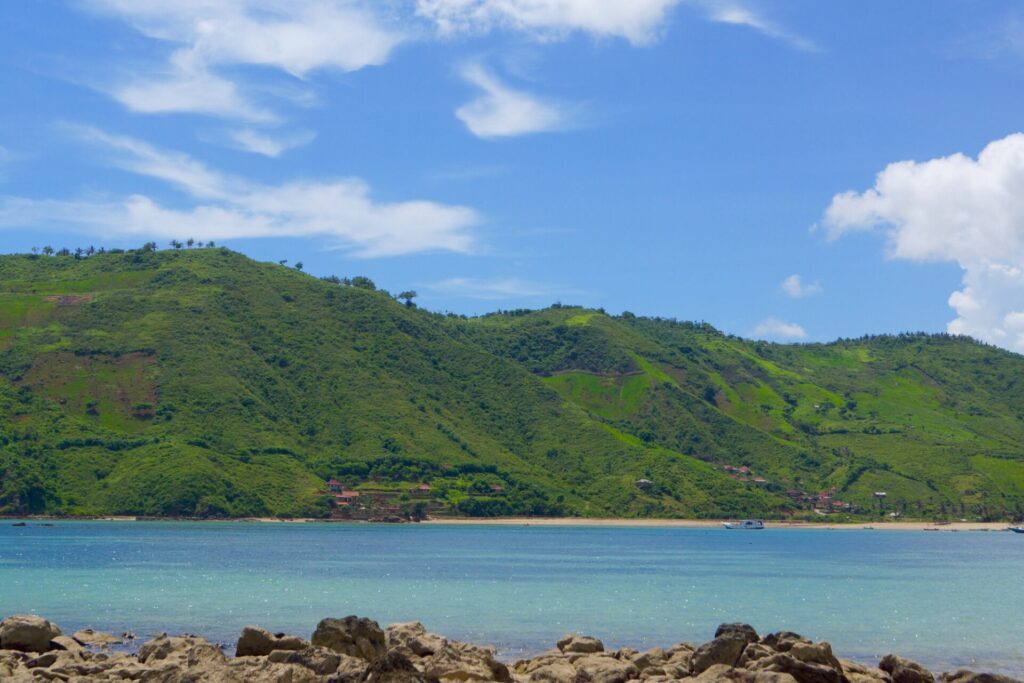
pixel 200 382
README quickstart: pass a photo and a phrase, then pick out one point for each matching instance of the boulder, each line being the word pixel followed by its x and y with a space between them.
pixel 965 676
pixel 27 633
pixel 393 667
pixel 904 670
pixel 858 673
pixel 782 641
pixel 649 658
pixel 582 644
pixel 753 652
pixel 88 636
pixel 803 672
pixel 319 660
pixel 598 668
pixel 725 649
pixel 412 636
pixel 745 631
pixel 464 662
pixel 720 672
pixel 259 642
pixel 353 636
pixel 820 653
pixel 67 643
pixel 555 672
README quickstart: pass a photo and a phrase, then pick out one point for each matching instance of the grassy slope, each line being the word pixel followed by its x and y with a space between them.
pixel 202 382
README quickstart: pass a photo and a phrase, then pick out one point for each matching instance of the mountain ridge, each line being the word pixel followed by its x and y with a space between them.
pixel 202 383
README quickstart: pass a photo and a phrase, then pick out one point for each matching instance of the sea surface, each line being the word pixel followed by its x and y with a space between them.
pixel 945 599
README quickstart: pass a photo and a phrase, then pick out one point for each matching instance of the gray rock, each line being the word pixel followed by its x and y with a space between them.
pixel 353 636
pixel 394 667
pixel 803 672
pixel 584 644
pixel 88 636
pixel 904 670
pixel 965 676
pixel 319 660
pixel 725 649
pixel 259 642
pixel 27 633
pixel 745 631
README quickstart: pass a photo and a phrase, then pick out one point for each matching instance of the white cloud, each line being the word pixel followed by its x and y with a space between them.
pixel 739 14
pixel 253 141
pixel 227 207
pixel 795 287
pixel 773 328
pixel 955 209
pixel 635 20
pixel 294 36
pixel 491 290
pixel 502 111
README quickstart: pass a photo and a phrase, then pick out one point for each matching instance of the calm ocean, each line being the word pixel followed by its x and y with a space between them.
pixel 945 599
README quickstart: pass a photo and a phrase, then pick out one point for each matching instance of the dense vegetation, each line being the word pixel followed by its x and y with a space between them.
pixel 199 382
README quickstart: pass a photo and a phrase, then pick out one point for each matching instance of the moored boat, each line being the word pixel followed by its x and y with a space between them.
pixel 1017 529
pixel 745 524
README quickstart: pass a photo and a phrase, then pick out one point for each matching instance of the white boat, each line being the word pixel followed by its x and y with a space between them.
pixel 1017 529
pixel 745 524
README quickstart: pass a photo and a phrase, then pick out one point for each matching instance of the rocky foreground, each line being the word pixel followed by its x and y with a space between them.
pixel 354 649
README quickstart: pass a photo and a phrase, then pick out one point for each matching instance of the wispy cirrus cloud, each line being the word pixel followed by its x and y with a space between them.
pixel 296 37
pixel 775 328
pixel 503 111
pixel 742 14
pixel 638 21
pixel 267 144
pixel 221 206
pixel 494 289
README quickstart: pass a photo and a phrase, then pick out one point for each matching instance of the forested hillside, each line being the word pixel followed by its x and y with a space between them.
pixel 201 383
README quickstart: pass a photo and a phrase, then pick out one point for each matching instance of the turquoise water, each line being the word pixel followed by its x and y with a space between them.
pixel 945 599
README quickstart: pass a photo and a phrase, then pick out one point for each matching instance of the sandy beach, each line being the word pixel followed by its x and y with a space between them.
pixel 708 523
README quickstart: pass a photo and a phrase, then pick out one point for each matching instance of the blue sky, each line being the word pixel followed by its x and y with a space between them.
pixel 789 170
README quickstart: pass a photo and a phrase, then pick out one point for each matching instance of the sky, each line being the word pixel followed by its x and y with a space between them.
pixel 791 170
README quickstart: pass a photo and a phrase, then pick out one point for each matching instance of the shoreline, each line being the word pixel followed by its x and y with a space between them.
pixel 611 522
pixel 357 649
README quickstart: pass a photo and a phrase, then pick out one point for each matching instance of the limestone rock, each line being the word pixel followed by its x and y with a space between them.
pixel 745 631
pixel 598 668
pixel 394 667
pixel 583 644
pixel 966 676
pixel 319 660
pixel 803 672
pixel 782 641
pixel 555 672
pixel 413 637
pixel 27 633
pixel 725 649
pixel 88 636
pixel 353 636
pixel 259 642
pixel 464 662
pixel 904 670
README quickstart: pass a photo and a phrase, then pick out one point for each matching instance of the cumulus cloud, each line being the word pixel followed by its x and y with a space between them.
pixel 795 287
pixel 955 209
pixel 774 328
pixel 502 111
pixel 250 140
pixel 294 36
pixel 490 290
pixel 223 206
pixel 635 20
